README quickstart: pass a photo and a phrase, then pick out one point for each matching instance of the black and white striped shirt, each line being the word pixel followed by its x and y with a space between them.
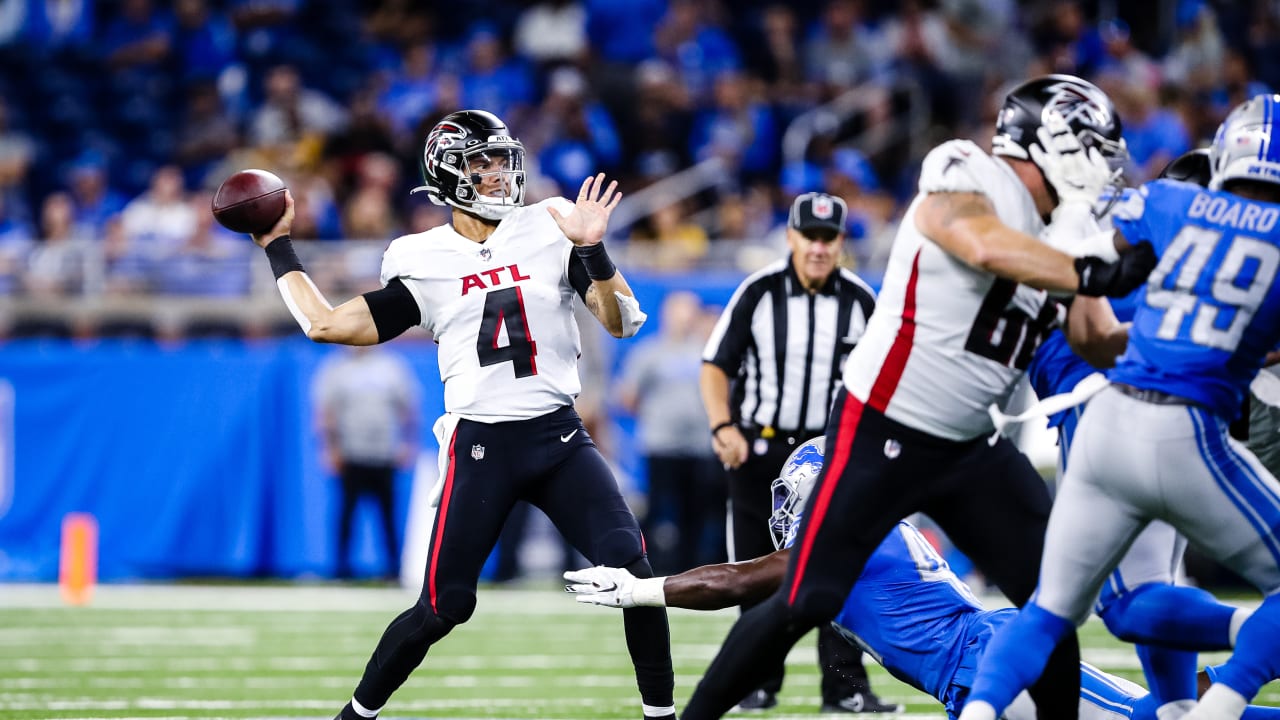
pixel 785 347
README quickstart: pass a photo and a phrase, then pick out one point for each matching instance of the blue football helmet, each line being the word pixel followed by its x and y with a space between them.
pixel 1246 146
pixel 791 490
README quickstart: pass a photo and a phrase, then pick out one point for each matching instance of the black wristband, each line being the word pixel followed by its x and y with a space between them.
pixel 283 258
pixel 721 426
pixel 596 261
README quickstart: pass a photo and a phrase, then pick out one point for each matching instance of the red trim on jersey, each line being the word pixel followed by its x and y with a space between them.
pixel 533 346
pixel 443 513
pixel 845 432
pixel 896 361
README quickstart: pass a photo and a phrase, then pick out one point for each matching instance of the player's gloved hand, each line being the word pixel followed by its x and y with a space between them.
pixel 1100 278
pixel 1078 174
pixel 614 587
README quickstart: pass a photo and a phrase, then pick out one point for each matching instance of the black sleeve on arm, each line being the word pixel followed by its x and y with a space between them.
pixel 578 277
pixel 393 309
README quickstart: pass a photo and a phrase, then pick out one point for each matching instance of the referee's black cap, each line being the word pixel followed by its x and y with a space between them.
pixel 818 211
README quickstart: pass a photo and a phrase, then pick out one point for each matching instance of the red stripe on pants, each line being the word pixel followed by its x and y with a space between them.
pixel 849 417
pixel 440 518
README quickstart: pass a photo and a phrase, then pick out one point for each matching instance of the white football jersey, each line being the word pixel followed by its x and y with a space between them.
pixel 947 340
pixel 501 311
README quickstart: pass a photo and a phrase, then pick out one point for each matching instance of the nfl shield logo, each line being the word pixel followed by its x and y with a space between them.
pixel 485 254
pixel 822 207
pixel 477 452
pixel 892 449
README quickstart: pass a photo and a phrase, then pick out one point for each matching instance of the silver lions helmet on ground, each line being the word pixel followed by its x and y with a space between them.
pixel 1246 146
pixel 791 490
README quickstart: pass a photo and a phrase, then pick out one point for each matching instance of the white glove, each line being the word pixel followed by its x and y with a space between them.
pixel 614 587
pixel 1078 174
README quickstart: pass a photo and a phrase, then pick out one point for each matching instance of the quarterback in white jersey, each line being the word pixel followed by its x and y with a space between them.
pixel 495 287
pixel 960 313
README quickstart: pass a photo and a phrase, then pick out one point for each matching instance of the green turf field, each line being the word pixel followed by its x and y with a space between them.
pixel 275 652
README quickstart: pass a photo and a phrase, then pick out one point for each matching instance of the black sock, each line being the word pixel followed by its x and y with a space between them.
pixel 1057 692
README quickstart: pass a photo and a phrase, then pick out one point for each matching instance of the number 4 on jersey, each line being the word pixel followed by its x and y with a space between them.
pixel 505 309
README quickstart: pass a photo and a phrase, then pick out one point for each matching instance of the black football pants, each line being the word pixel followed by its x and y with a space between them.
pixel 551 463
pixel 987 498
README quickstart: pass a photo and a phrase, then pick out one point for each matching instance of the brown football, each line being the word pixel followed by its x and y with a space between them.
pixel 250 201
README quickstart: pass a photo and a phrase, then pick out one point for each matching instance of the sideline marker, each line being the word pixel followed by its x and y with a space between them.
pixel 78 564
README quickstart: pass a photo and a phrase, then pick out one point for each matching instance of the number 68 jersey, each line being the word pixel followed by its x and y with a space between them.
pixel 1210 310
pixel 501 312
pixel 947 340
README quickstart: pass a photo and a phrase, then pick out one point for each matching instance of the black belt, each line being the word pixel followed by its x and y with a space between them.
pixel 1155 397
pixel 772 434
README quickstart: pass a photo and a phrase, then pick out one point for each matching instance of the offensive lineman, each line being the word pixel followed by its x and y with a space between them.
pixel 962 309
pixel 908 609
pixel 495 287
pixel 1204 323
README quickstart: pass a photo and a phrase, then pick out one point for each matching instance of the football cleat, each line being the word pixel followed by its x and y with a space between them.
pixel 861 702
pixel 758 700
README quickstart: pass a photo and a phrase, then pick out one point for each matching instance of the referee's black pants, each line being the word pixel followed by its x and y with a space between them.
pixel 551 463
pixel 748 536
pixel 988 499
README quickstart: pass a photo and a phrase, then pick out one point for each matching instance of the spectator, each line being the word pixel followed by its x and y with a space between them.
pixel 1155 134
pixel 59 28
pixel 155 225
pixel 738 129
pixel 671 241
pixel 410 91
pixel 840 54
pixel 207 134
pixel 573 135
pixel 492 80
pixel 553 31
pixel 1124 60
pixel 367 408
pixel 213 262
pixel 95 202
pixel 686 493
pixel 57 264
pixel 698 49
pixel 139 39
pixel 612 27
pixel 16 241
pixel 655 128
pixel 17 150
pixel 369 214
pixel 205 41
pixel 292 113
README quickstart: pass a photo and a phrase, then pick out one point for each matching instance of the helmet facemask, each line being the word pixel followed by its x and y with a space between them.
pixel 470 161
pixel 493 184
pixel 791 490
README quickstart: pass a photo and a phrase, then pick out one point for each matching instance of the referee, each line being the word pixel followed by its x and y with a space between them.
pixel 770 372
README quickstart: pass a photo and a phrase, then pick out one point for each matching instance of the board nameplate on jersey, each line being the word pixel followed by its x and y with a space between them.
pixel 477 452
pixel 473 282
pixel 760 446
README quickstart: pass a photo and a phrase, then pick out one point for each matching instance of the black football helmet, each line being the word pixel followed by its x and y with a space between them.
pixel 1087 110
pixel 456 148
pixel 1193 166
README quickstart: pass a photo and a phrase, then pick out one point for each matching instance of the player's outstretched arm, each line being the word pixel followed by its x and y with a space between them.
pixel 710 587
pixel 350 323
pixel 965 225
pixel 1094 333
pixel 609 298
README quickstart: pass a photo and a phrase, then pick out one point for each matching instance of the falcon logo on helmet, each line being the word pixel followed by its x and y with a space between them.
pixel 464 149
pixel 1088 111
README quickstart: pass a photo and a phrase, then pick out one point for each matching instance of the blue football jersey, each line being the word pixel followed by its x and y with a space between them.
pixel 1210 310
pixel 915 617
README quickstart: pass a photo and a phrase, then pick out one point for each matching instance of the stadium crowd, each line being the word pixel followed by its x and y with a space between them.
pixel 118 118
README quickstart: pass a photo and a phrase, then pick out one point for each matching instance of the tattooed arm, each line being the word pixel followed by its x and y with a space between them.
pixel 965 225
pixel 602 302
